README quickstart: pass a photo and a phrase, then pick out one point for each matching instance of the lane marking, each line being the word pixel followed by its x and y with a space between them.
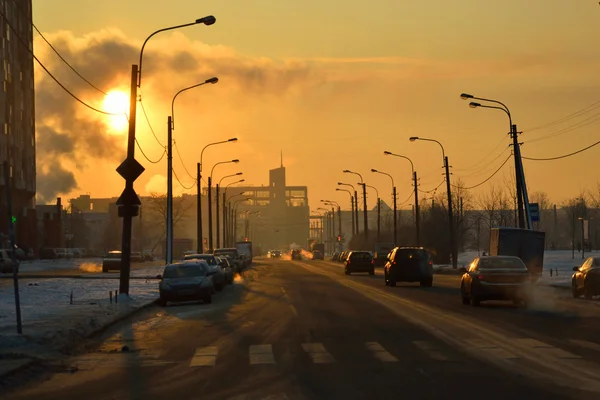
pixel 431 349
pixel 546 349
pixel 586 344
pixel 379 352
pixel 318 353
pixel 261 354
pixel 204 357
pixel 493 350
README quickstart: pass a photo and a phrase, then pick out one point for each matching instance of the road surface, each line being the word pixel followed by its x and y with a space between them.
pixel 304 330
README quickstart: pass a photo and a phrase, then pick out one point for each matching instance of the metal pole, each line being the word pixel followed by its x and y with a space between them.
pixel 224 219
pixel 199 246
pixel 365 211
pixel 352 212
pixel 217 216
pixel 11 232
pixel 339 225
pixel 395 219
pixel 417 213
pixel 451 217
pixel 582 239
pixel 210 227
pixel 169 252
pixel 356 211
pixel 378 219
pixel 514 136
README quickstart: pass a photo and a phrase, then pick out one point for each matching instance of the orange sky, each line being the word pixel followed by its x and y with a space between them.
pixel 331 88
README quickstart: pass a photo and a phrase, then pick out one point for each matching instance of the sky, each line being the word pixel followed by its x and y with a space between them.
pixel 331 85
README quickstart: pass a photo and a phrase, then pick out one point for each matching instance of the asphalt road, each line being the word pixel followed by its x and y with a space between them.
pixel 304 330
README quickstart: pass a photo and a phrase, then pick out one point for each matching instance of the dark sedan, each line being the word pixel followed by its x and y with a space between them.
pixel 586 279
pixel 185 281
pixel 214 269
pixel 495 278
pixel 359 261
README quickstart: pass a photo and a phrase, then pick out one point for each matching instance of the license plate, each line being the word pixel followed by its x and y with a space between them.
pixel 186 292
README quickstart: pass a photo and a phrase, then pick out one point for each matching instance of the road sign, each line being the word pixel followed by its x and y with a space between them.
pixel 128 197
pixel 534 211
pixel 130 169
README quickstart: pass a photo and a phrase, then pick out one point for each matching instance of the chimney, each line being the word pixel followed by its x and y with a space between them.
pixel 59 208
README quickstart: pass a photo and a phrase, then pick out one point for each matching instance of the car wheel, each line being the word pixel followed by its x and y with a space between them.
pixel 587 291
pixel 475 301
pixel 465 299
pixel 346 271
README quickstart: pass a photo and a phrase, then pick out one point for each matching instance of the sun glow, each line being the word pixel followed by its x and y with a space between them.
pixel 117 102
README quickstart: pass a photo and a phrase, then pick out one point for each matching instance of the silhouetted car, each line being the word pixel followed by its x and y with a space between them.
pixel 112 261
pixel 359 261
pixel 296 255
pixel 317 255
pixel 408 264
pixel 226 268
pixel 185 281
pixel 495 278
pixel 381 258
pixel 214 269
pixel 586 279
pixel 234 257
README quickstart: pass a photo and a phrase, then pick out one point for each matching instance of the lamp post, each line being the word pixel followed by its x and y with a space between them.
pixel 525 221
pixel 226 228
pixel 339 209
pixel 234 218
pixel 365 211
pixel 247 223
pixel 351 205
pixel 416 191
pixel 328 224
pixel 332 227
pixel 217 209
pixel 230 218
pixel 210 229
pixel 378 211
pixel 355 203
pixel 170 128
pixel 454 248
pixel 131 169
pixel 395 210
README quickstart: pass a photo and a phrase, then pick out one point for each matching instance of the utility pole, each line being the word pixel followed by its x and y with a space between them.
pixel 339 224
pixel 515 138
pixel 11 233
pixel 352 212
pixel 451 216
pixel 169 252
pixel 210 227
pixel 225 228
pixel 417 217
pixel 356 210
pixel 395 219
pixel 217 215
pixel 200 245
pixel 365 211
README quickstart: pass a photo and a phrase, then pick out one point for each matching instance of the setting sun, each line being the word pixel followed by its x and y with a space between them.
pixel 117 102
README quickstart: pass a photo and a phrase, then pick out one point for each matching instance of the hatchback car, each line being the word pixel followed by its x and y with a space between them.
pixel 185 281
pixel 586 279
pixel 226 268
pixel 214 269
pixel 408 264
pixel 495 278
pixel 359 261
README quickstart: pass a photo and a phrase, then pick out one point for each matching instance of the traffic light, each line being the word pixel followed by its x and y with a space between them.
pixel 339 238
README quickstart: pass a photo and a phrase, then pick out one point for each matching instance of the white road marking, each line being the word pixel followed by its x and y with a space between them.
pixel 318 353
pixel 546 349
pixel 379 352
pixel 485 346
pixel 204 357
pixel 586 344
pixel 261 354
pixel 431 350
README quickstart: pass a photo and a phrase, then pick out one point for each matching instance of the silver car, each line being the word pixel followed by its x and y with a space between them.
pixel 213 267
pixel 185 281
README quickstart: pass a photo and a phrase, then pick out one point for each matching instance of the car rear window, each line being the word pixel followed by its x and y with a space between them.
pixel 403 254
pixel 499 263
pixel 361 256
pixel 230 253
pixel 211 260
pixel 184 271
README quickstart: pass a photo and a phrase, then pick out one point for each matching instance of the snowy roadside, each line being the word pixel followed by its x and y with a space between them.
pixel 51 323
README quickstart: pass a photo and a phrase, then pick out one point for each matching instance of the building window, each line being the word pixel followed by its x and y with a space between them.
pixel 262 202
pixel 262 193
pixel 295 203
pixel 297 193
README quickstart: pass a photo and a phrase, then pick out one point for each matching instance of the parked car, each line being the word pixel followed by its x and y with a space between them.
pixel 317 255
pixel 296 255
pixel 335 256
pixel 586 279
pixel 495 278
pixel 226 268
pixel 6 264
pixel 185 281
pixel 112 261
pixel 234 257
pixel 137 256
pixel 408 264
pixel 213 267
pixel 359 261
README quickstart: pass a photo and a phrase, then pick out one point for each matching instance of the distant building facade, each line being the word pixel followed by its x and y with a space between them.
pixel 17 121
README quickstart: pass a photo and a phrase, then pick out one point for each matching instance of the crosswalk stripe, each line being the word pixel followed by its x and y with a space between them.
pixel 379 352
pixel 204 357
pixel 484 346
pixel 318 353
pixel 431 350
pixel 261 354
pixel 586 344
pixel 546 349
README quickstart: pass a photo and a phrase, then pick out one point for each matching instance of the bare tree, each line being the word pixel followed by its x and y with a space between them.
pixel 156 215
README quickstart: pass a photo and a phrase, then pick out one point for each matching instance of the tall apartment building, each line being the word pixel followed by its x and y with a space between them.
pixel 17 121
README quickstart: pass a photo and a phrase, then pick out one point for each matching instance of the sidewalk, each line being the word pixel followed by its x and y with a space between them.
pixel 57 313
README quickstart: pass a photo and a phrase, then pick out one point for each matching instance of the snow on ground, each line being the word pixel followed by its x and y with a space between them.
pixel 48 265
pixel 50 320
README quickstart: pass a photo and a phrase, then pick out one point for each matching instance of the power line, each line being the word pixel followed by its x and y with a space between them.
pixel 149 125
pixel 146 157
pixel 49 73
pixel 486 168
pixel 181 184
pixel 488 178
pixel 181 159
pixel 563 156
pixel 567 118
pixel 54 49
pixel 433 190
pixel 483 159
pixel 407 200
pixel 578 125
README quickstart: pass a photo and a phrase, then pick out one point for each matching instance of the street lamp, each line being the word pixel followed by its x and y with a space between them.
pixel 226 213
pixel 131 169
pixel 210 230
pixel 326 220
pixel 525 221
pixel 234 217
pixel 200 239
pixel 395 209
pixel 416 191
pixel 171 127
pixel 355 202
pixel 339 209
pixel 351 205
pixel 217 209
pixel 378 211
pixel 454 248
pixel 365 211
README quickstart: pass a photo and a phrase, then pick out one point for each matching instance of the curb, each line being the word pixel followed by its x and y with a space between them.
pixel 14 371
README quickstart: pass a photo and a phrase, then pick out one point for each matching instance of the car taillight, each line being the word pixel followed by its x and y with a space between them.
pixel 372 261
pixel 480 277
pixel 430 262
